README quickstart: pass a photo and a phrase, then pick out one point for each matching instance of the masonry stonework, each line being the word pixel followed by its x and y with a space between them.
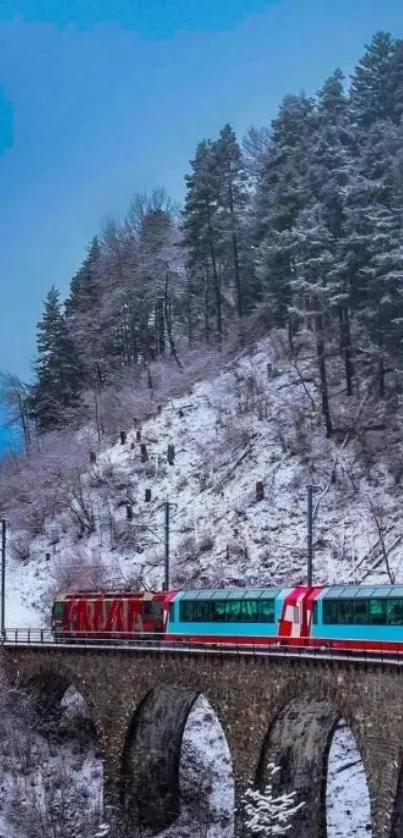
pixel 282 710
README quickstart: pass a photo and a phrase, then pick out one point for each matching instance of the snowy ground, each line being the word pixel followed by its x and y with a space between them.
pixel 348 806
pixel 49 785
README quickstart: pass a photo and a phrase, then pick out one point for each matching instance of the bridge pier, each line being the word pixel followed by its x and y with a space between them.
pixel 150 794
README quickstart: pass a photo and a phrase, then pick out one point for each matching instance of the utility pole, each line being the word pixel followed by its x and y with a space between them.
pixel 3 578
pixel 166 563
pixel 309 565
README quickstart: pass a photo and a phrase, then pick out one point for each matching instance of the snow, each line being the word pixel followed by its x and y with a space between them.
pixel 49 780
pixel 255 421
pixel 205 778
pixel 347 795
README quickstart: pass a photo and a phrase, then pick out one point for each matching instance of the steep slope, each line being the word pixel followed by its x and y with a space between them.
pixel 257 421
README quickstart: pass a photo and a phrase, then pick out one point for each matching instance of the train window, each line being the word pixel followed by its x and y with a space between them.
pixel 229 611
pixel 361 615
pixel 266 610
pixel 346 611
pixel 330 611
pixel 172 612
pixel 193 612
pixel 377 612
pixel 58 609
pixel 315 614
pixel 187 610
pixel 153 609
pixel 249 611
pixel 395 612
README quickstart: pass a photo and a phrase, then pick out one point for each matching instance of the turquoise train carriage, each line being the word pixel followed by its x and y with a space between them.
pixel 346 617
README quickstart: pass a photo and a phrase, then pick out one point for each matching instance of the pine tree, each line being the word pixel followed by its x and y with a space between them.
pixel 232 199
pixel 396 81
pixel 58 370
pixel 331 168
pixel 372 93
pixel 201 230
pixel 267 813
pixel 82 311
pixel 373 243
pixel 315 293
pixel 280 196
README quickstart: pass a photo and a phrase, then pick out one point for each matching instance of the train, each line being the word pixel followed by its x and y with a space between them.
pixel 348 618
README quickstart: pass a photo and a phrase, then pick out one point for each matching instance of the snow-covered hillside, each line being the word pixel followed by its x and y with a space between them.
pixel 258 420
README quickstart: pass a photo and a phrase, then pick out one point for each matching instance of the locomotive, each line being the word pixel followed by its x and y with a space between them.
pixel 345 617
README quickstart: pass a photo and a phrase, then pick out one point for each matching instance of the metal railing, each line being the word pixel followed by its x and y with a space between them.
pixel 141 642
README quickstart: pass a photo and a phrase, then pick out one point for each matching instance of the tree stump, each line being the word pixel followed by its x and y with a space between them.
pixel 259 491
pixel 143 452
pixel 122 437
pixel 171 454
pixel 129 512
pixel 138 436
pixel 93 457
pixel 147 496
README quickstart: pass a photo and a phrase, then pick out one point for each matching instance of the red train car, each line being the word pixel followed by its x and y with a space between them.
pixel 109 615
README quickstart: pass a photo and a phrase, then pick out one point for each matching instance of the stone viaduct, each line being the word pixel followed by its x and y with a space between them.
pixel 282 710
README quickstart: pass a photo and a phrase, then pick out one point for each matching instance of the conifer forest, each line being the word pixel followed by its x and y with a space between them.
pixel 298 225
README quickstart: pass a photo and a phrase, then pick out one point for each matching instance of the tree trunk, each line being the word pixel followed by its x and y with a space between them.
pixel 206 306
pixel 168 321
pixel 320 351
pixel 381 372
pixel 216 282
pixel 188 307
pixel 345 348
pixel 24 423
pixel 159 327
pixel 237 272
pixel 290 333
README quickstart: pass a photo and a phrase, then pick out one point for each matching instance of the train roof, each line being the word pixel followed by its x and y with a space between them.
pixel 362 592
pixel 233 593
pixel 118 592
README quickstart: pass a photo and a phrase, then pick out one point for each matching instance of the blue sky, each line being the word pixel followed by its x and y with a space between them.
pixel 102 98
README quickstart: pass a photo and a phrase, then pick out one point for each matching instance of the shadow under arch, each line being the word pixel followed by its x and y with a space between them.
pixel 298 742
pixel 46 689
pixel 149 786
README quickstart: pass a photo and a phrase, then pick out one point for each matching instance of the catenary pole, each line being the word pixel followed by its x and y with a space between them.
pixel 166 539
pixel 3 577
pixel 309 566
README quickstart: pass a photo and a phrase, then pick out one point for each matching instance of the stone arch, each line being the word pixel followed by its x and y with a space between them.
pixel 149 788
pixel 298 741
pixel 48 684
